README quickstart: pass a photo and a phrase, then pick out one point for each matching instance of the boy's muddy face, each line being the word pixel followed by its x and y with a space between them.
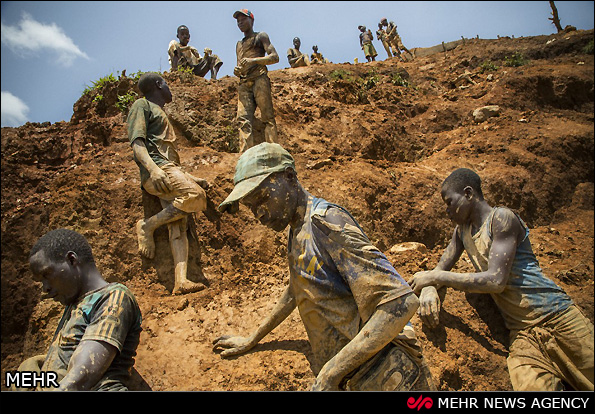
pixel 458 206
pixel 184 37
pixel 272 202
pixel 244 23
pixel 60 281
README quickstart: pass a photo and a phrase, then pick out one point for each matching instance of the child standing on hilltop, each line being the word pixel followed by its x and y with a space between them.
pixel 254 52
pixel 365 41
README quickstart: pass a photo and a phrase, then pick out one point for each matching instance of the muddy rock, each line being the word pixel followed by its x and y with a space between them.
pixel 485 112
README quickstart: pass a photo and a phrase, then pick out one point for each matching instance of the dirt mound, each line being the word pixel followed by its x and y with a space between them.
pixel 377 138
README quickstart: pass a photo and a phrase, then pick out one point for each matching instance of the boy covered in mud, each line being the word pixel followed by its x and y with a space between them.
pixel 394 39
pixel 551 341
pixel 365 41
pixel 153 142
pixel 296 58
pixel 181 54
pixel 382 36
pixel 254 52
pixel 96 339
pixel 354 305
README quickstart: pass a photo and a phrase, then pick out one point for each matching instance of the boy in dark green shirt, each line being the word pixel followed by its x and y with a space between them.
pixel 153 143
pixel 96 339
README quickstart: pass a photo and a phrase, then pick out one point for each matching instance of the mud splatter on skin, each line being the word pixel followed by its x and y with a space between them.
pixel 275 201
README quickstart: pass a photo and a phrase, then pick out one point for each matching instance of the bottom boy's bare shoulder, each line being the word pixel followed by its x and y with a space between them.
pixel 505 220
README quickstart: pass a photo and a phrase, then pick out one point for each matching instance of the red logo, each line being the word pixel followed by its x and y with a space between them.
pixel 420 402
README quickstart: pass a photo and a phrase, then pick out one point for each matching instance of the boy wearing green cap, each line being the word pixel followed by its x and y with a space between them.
pixel 354 305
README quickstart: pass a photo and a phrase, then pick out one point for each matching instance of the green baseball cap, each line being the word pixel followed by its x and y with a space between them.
pixel 254 166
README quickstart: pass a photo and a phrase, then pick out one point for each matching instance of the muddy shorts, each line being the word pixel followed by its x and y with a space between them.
pixel 553 355
pixel 370 50
pixel 398 367
pixel 186 194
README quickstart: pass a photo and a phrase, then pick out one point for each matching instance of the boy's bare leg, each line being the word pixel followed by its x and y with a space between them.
pixel 146 228
pixel 179 249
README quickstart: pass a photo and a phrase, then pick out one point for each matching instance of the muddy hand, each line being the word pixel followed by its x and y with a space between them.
pixel 160 180
pixel 231 345
pixel 421 280
pixel 429 306
pixel 200 181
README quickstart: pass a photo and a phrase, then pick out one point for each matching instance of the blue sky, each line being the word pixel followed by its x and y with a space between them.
pixel 52 50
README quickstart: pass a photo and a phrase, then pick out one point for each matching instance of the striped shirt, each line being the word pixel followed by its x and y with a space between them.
pixel 110 315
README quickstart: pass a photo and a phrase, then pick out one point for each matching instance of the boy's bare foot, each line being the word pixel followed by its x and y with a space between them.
pixel 146 245
pixel 187 286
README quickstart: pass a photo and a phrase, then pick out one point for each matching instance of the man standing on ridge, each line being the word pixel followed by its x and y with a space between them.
pixel 254 52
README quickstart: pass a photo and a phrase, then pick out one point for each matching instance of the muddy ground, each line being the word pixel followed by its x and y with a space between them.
pixel 377 138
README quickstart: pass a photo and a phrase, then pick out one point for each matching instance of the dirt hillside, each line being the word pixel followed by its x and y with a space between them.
pixel 377 138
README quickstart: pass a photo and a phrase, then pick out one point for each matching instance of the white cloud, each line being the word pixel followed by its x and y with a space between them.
pixel 31 36
pixel 14 111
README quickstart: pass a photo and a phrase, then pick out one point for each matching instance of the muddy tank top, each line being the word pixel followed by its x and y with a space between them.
pixel 249 47
pixel 529 296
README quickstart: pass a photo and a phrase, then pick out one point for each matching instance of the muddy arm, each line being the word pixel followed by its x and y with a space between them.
pixel 87 365
pixel 158 176
pixel 384 325
pixel 429 299
pixel 506 230
pixel 235 345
